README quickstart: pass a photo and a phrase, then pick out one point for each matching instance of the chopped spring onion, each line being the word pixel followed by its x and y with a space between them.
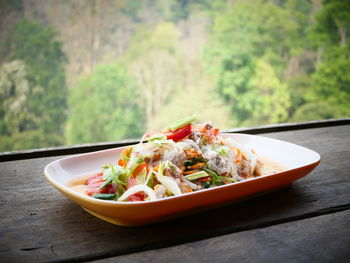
pixel 157 137
pixel 107 172
pixel 222 150
pixel 196 176
pixel 117 173
pixel 105 183
pixel 214 175
pixel 182 122
pixel 112 173
pixel 223 178
pixel 104 196
pixel 217 178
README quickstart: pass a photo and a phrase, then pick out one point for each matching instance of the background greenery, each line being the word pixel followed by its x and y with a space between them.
pixel 86 71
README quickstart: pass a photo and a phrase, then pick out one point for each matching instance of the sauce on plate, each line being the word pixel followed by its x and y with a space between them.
pixel 78 183
pixel 269 166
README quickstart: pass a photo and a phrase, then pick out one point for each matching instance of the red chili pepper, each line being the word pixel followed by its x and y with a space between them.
pixel 205 179
pixel 180 133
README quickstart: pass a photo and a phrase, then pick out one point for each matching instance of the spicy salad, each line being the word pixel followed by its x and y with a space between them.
pixel 183 158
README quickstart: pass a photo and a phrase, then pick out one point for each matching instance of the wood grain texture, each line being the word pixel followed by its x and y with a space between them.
pixel 88 147
pixel 310 240
pixel 39 224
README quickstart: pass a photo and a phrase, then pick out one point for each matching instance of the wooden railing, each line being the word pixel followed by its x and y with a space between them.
pixel 83 148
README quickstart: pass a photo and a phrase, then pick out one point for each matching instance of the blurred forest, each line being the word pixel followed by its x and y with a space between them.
pixel 79 71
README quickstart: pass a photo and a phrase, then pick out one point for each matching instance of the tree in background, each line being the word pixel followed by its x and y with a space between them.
pixel 269 61
pixel 191 100
pixel 19 123
pixel 246 55
pixel 267 100
pixel 41 67
pixel 330 93
pixel 104 107
pixel 155 62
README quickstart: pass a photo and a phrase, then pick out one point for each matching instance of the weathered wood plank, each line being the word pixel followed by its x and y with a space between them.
pixel 39 224
pixel 319 239
pixel 88 147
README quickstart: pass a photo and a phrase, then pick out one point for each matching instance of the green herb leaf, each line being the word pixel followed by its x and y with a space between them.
pixel 189 162
pixel 214 175
pixel 104 196
pixel 217 178
pixel 117 171
pixel 105 183
pixel 223 178
pixel 107 172
pixel 222 151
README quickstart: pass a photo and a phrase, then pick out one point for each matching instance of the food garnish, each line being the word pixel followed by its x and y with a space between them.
pixel 184 158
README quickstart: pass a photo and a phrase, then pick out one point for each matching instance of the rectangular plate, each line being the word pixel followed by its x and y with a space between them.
pixel 298 160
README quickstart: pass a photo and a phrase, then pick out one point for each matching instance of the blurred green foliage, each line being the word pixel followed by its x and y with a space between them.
pixel 134 66
pixel 250 44
pixel 104 107
pixel 331 79
pixel 33 88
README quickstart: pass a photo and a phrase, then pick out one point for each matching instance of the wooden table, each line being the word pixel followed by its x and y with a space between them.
pixel 308 222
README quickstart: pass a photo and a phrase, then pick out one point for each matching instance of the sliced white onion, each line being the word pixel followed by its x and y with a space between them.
pixel 143 138
pixel 149 176
pixel 169 154
pixel 169 183
pixel 139 188
pixel 191 185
